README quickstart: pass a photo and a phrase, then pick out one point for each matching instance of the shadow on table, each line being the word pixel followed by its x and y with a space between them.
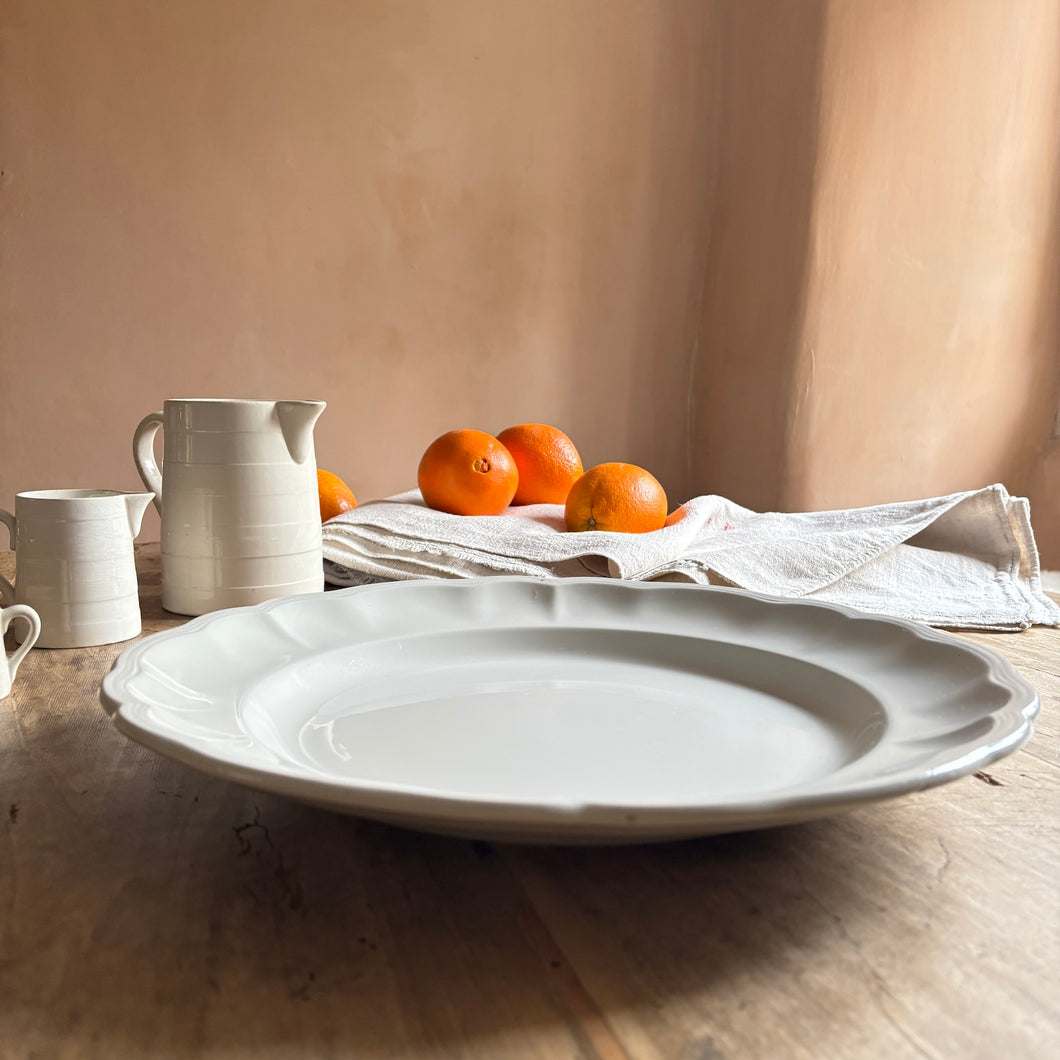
pixel 261 923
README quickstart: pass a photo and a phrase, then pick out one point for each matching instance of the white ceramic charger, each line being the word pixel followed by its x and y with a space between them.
pixel 575 710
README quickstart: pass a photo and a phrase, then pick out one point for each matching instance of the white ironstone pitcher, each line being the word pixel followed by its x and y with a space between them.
pixel 238 497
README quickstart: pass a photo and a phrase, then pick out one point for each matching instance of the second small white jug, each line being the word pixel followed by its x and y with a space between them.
pixel 238 497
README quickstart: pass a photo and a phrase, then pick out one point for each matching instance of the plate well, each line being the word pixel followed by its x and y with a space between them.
pixel 581 714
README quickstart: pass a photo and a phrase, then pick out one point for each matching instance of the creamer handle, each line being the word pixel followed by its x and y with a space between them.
pixel 29 615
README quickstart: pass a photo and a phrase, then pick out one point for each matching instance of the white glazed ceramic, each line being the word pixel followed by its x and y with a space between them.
pixel 74 563
pixel 581 710
pixel 9 665
pixel 238 498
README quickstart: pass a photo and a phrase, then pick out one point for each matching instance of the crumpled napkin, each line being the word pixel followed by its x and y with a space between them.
pixel 966 560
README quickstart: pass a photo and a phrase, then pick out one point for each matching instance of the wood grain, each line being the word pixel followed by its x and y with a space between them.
pixel 149 911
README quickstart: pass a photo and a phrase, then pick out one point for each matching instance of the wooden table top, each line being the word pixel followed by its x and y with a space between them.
pixel 147 910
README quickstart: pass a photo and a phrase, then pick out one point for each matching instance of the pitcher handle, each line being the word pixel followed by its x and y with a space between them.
pixel 7 590
pixel 144 455
pixel 9 615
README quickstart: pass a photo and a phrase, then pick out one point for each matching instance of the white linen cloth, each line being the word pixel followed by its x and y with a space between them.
pixel 966 560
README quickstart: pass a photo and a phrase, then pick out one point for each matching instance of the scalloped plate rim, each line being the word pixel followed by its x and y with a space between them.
pixel 557 820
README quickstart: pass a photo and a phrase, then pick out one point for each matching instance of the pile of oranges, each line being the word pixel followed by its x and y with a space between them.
pixel 468 472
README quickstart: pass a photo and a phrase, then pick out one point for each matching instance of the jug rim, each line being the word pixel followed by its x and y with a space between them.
pixel 77 494
pixel 245 401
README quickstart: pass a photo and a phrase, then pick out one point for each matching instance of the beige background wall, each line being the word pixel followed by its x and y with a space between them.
pixel 800 253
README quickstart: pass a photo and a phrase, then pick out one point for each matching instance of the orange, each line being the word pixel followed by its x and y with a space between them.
pixel 675 516
pixel 467 473
pixel 547 461
pixel 335 496
pixel 620 497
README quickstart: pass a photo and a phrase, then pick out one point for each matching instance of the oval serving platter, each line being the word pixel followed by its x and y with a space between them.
pixel 580 710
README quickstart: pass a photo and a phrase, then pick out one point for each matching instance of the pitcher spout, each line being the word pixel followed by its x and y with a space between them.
pixel 297 419
pixel 135 506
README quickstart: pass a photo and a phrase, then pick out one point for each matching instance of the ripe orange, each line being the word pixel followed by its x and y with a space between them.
pixel 335 496
pixel 547 461
pixel 620 497
pixel 467 473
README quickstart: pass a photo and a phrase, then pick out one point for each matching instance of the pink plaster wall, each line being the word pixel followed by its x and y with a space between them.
pixel 881 316
pixel 429 214
pixel 800 252
pixel 929 346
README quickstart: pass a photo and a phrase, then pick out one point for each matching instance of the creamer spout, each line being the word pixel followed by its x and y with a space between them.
pixel 135 506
